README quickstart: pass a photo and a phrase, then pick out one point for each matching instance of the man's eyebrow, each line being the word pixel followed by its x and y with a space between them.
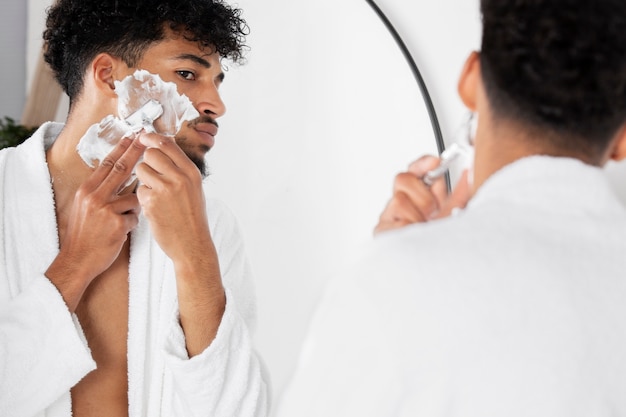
pixel 195 58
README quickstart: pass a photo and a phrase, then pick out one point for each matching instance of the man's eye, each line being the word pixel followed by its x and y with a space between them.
pixel 187 75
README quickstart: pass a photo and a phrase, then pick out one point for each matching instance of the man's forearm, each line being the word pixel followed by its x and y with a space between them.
pixel 201 301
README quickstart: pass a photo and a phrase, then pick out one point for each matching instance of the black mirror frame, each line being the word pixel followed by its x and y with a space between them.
pixel 418 77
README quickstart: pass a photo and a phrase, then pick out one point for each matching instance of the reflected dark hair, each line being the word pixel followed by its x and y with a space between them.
pixel 78 30
pixel 557 65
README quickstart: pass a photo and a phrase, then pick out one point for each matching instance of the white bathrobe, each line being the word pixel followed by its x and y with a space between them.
pixel 514 307
pixel 43 351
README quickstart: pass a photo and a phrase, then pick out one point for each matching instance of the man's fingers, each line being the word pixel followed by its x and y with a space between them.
pixel 415 202
pixel 107 163
pixel 401 207
pixel 383 226
pixel 167 146
pixel 118 170
pixel 126 203
pixel 400 211
pixel 422 165
pixel 159 162
pixel 152 140
pixel 418 193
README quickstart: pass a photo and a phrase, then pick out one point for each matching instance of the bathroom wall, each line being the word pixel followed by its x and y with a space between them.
pixel 13 63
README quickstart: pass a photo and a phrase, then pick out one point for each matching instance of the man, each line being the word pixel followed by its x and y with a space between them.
pixel 105 311
pixel 515 305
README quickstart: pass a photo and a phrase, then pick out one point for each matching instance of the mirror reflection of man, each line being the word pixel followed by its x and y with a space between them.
pixel 126 300
pixel 515 305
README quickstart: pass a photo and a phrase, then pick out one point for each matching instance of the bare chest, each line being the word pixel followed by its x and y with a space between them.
pixel 103 314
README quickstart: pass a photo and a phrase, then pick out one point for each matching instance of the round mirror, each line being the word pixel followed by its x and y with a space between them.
pixel 319 121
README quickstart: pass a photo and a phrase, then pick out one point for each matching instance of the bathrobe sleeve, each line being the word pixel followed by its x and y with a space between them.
pixel 43 352
pixel 227 379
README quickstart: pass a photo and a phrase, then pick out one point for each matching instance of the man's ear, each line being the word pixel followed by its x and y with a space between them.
pixel 618 151
pixel 469 81
pixel 103 71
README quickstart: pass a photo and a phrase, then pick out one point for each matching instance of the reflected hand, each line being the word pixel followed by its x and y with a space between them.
pixel 415 202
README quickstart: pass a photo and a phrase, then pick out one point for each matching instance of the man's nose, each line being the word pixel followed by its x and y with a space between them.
pixel 211 104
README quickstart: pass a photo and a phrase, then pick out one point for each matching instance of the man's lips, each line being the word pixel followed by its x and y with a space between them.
pixel 207 131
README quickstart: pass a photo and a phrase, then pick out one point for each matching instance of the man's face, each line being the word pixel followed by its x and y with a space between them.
pixel 198 74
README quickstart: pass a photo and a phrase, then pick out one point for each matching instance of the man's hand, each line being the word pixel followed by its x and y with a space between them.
pixel 415 202
pixel 172 200
pixel 99 223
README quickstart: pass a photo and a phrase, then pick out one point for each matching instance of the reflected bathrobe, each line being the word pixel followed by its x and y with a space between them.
pixel 43 351
pixel 514 307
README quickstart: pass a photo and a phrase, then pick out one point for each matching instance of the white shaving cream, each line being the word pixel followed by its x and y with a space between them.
pixel 145 102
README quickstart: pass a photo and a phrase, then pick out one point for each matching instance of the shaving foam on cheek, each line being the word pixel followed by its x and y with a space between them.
pixel 145 102
pixel 134 91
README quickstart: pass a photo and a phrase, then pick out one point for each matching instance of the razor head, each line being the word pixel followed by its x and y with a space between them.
pixel 146 114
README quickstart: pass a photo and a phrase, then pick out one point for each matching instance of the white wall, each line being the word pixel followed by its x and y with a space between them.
pixel 13 62
pixel 36 22
pixel 319 121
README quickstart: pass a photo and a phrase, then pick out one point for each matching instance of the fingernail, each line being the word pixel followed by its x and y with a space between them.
pixel 144 140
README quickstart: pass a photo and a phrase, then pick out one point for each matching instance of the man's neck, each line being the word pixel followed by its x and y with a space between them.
pixel 64 162
pixel 503 143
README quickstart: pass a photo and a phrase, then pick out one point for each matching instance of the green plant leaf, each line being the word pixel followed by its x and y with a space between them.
pixel 12 133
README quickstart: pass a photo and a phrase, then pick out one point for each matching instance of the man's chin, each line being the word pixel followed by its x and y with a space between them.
pixel 196 157
pixel 199 161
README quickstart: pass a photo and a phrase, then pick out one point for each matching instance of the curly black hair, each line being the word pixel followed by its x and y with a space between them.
pixel 78 30
pixel 558 65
